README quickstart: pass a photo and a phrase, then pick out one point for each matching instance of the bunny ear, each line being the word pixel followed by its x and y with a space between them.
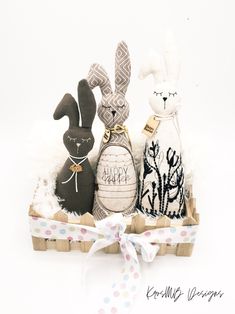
pixel 87 103
pixel 122 68
pixel 171 58
pixel 154 64
pixel 97 76
pixel 68 107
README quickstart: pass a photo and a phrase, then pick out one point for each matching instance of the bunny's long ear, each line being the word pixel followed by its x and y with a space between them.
pixel 97 76
pixel 68 107
pixel 154 64
pixel 87 103
pixel 171 58
pixel 122 68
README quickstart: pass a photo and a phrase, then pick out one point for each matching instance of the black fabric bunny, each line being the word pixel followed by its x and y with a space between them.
pixel 76 182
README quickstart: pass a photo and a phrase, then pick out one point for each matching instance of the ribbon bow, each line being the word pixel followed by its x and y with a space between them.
pixel 118 129
pixel 108 231
pixel 113 230
pixel 121 297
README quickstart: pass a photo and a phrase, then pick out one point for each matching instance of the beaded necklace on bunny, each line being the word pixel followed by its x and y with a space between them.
pixel 75 168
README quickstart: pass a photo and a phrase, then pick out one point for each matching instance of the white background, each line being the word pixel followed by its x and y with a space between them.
pixel 46 47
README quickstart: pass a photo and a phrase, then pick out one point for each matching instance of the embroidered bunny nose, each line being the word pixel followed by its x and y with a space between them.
pixel 78 144
pixel 113 112
pixel 164 98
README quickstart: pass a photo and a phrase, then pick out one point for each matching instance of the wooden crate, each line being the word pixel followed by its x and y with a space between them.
pixel 137 224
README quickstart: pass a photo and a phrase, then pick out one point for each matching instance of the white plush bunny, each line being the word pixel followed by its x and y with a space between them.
pixel 162 173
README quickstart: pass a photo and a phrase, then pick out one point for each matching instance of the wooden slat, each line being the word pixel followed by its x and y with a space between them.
pixel 128 229
pixel 51 244
pixel 87 220
pixel 184 249
pixel 113 248
pixel 75 245
pixel 60 216
pixel 39 244
pixel 190 191
pixel 197 218
pixel 139 223
pixel 171 249
pixel 189 221
pixel 162 250
pixel 163 221
pixel 193 207
pixel 61 245
pixel 33 212
pixel 132 226
pixel 188 205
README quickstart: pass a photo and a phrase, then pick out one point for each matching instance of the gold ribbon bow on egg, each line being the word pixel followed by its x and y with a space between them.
pixel 117 129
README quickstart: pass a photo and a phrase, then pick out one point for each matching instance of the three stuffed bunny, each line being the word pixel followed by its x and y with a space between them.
pixel 161 181
pixel 162 171
pixel 116 174
pixel 75 182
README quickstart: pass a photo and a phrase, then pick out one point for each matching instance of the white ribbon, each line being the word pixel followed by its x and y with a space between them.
pixel 108 231
pixel 168 117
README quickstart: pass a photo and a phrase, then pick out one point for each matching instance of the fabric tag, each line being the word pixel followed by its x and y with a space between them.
pixel 76 168
pixel 151 126
pixel 106 136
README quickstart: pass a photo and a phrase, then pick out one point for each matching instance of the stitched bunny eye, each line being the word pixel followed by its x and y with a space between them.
pixel 72 139
pixel 86 139
pixel 172 94
pixel 121 106
pixel 106 107
pixel 155 93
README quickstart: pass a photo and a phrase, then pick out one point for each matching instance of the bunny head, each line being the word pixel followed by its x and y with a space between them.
pixel 164 98
pixel 77 139
pixel 113 108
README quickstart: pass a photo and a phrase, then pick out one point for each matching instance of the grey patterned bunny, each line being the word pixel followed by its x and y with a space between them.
pixel 75 182
pixel 116 174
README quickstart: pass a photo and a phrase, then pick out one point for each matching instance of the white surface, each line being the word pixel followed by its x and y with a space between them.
pixel 46 47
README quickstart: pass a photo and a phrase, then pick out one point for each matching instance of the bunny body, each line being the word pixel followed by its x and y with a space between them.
pixel 116 178
pixel 116 174
pixel 162 174
pixel 81 201
pixel 75 182
pixel 162 171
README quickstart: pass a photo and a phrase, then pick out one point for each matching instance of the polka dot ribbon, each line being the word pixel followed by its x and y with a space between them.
pixel 108 231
